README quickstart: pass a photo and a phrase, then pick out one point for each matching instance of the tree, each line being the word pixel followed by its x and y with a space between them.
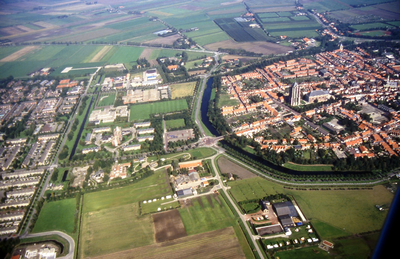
pixel 54 176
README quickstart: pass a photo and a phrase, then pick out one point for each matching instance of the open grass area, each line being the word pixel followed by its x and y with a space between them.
pixel 57 215
pixel 182 90
pixel 308 168
pixel 106 100
pixel 206 213
pixel 355 208
pixel 175 124
pixel 151 187
pixel 158 205
pixel 224 100
pixel 143 111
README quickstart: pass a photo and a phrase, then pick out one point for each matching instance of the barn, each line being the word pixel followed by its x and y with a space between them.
pixel 285 211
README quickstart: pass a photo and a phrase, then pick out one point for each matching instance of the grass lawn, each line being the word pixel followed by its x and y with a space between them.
pixel 174 124
pixel 182 90
pixel 304 253
pixel 143 111
pixel 57 215
pixel 206 214
pixel 154 206
pixel 352 211
pixel 151 187
pixel 106 100
pixel 308 168
pixel 224 100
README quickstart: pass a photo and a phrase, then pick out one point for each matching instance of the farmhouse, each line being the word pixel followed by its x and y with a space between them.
pixel 190 165
pixel 285 212
pixel 186 192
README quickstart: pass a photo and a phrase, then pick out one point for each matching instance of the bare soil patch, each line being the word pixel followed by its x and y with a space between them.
pixel 226 166
pixel 242 58
pixel 168 226
pixel 164 40
pixel 20 53
pixel 265 48
pixel 221 243
pixel 101 54
pixel 11 31
pixel 146 53
pixel 44 25
pixel 197 72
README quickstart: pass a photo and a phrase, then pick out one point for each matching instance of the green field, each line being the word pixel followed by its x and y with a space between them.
pixel 355 208
pixel 206 213
pixel 106 100
pixel 143 111
pixel 174 124
pixel 224 100
pixel 109 215
pixel 57 215
pixel 102 231
pixel 308 168
pixel 151 187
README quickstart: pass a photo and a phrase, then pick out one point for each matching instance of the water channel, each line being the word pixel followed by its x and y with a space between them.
pixel 80 130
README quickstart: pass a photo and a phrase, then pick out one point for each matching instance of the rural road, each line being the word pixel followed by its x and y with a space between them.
pixel 71 249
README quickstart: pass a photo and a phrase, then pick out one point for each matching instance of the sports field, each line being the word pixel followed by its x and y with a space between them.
pixel 182 90
pixel 175 124
pixel 57 215
pixel 143 111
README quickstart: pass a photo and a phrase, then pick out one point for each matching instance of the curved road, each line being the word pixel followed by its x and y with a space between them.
pixel 70 240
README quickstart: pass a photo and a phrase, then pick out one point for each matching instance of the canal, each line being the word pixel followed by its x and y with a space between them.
pixel 80 130
pixel 204 107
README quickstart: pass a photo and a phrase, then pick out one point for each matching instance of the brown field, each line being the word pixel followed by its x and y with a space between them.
pixel 146 53
pixel 197 72
pixel 11 30
pixel 101 54
pixel 164 40
pixel 20 53
pixel 244 59
pixel 24 28
pixel 43 24
pixel 221 243
pixel 227 166
pixel 265 48
pixel 274 9
pixel 168 226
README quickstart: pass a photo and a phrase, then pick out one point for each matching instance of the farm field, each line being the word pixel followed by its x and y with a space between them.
pixel 102 230
pixel 174 124
pixel 57 215
pixel 205 213
pixel 205 245
pixel 265 48
pixel 325 205
pixel 143 111
pixel 182 90
pixel 168 226
pixel 106 100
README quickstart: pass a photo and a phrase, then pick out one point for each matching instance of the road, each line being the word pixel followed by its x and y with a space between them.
pixel 224 189
pixel 70 240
